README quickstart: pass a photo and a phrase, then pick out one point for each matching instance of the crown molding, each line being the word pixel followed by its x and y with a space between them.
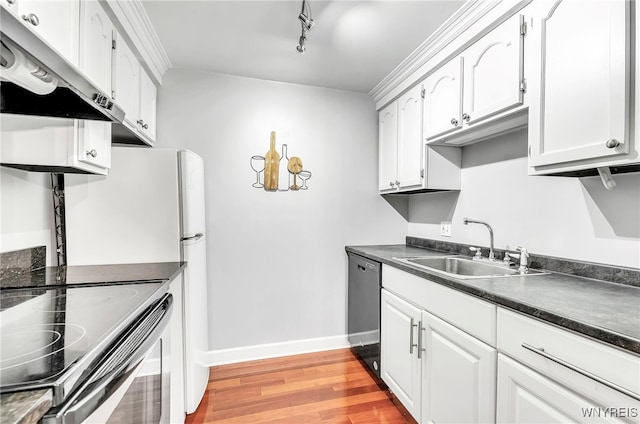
pixel 448 39
pixel 134 23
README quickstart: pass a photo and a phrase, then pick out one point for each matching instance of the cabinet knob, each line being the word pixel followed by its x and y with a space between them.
pixel 142 124
pixel 454 122
pixel 390 183
pixel 466 117
pixel 11 1
pixel 612 143
pixel 31 18
pixel 92 153
pixel 398 184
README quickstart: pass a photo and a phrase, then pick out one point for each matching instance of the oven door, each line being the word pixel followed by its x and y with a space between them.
pixel 131 385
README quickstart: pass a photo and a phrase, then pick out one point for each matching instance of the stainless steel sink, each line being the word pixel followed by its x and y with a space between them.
pixel 464 268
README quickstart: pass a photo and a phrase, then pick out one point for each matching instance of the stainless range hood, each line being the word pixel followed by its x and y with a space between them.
pixel 28 65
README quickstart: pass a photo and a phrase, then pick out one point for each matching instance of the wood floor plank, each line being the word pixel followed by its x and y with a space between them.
pixel 331 387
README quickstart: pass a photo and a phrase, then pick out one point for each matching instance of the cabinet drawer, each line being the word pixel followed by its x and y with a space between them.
pixel 566 356
pixel 470 314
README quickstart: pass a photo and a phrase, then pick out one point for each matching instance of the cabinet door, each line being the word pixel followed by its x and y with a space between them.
pixel 580 98
pixel 442 107
pixel 493 72
pixel 410 139
pixel 458 375
pixel 126 80
pixel 524 396
pixel 400 365
pixel 388 146
pixel 94 143
pixel 56 21
pixel 147 106
pixel 96 37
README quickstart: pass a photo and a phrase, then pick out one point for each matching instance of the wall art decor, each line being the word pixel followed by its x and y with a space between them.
pixel 278 172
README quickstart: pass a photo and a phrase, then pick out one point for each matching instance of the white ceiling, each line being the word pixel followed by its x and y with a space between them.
pixel 353 45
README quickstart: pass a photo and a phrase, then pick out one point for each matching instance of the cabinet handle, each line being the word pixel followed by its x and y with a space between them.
pixel 31 18
pixel 466 117
pixel 454 122
pixel 93 153
pixel 420 349
pixel 540 351
pixel 612 143
pixel 411 345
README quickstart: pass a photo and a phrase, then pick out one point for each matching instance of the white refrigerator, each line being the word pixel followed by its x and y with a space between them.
pixel 150 208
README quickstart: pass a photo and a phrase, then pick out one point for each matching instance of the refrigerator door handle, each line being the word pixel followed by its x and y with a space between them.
pixel 197 236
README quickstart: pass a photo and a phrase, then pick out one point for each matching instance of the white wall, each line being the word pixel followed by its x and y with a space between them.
pixel 26 212
pixel 277 265
pixel 572 218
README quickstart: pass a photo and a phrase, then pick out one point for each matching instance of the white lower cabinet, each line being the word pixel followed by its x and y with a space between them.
pixel 440 373
pixel 450 357
pixel 458 375
pixel 549 375
pixel 400 365
pixel 526 396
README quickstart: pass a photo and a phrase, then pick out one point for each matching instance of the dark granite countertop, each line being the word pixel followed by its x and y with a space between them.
pixel 25 407
pixel 606 311
pixel 83 275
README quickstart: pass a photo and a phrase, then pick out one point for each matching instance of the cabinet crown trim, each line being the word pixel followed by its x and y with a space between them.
pixel 135 23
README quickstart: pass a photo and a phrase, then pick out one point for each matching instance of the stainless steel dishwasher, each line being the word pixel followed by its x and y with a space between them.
pixel 363 310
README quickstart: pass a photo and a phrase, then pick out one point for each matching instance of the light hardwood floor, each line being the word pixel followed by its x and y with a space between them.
pixel 324 387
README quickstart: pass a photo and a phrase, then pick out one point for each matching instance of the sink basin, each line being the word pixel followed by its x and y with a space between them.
pixel 464 268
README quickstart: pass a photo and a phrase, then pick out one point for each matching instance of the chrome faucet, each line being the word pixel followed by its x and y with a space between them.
pixel 467 221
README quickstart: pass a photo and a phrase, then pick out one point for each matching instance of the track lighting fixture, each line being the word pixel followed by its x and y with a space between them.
pixel 306 22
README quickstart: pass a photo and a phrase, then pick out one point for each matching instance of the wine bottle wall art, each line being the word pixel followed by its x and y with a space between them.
pixel 279 172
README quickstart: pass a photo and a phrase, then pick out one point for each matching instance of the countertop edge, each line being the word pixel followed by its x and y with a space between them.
pixel 609 337
pixel 25 407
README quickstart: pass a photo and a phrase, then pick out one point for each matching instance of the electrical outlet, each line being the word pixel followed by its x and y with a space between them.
pixel 445 229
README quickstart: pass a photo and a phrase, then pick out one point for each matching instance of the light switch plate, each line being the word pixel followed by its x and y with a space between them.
pixel 445 229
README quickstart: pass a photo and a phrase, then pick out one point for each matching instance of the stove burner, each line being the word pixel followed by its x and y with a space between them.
pixel 37 342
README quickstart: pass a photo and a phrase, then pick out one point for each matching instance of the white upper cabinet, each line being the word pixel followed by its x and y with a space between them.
pixel 53 144
pixel 148 100
pixel 388 147
pixel 483 85
pixel 443 100
pixel 126 80
pixel 405 163
pixel 580 112
pixel 493 72
pixel 55 21
pixel 96 41
pixel 410 139
pixel 134 91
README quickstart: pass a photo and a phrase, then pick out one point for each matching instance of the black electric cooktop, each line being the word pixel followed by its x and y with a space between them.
pixel 50 337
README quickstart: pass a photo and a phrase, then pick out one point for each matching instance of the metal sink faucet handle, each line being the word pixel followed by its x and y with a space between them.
pixel 467 221
pixel 524 256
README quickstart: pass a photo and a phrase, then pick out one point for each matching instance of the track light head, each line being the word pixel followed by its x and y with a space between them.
pixel 307 22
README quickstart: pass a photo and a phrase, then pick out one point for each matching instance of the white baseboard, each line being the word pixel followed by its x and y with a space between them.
pixel 274 350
